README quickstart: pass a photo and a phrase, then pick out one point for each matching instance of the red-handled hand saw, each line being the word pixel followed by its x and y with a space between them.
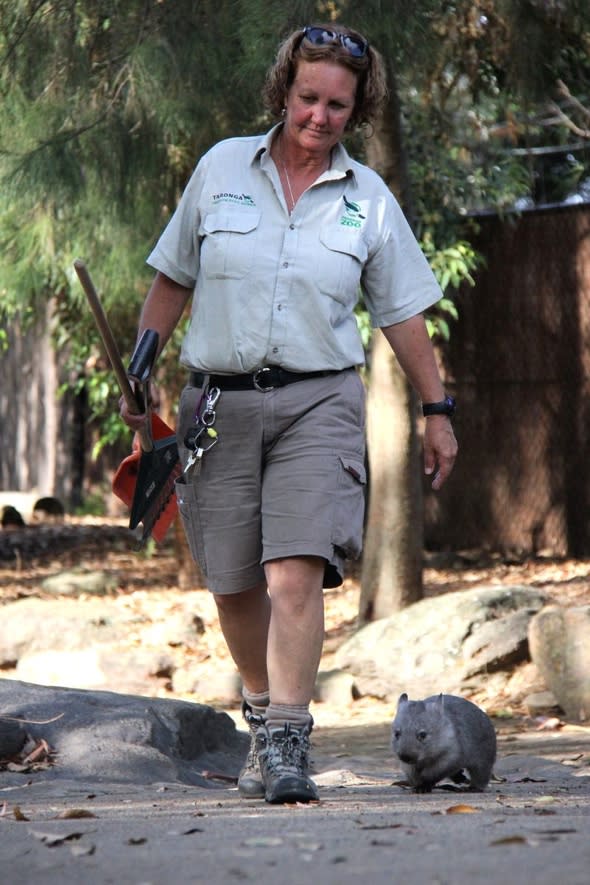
pixel 144 481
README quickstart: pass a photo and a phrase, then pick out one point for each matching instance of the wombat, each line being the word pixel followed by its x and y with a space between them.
pixel 439 738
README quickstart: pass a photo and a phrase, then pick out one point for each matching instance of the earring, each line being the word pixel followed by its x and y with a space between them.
pixel 283 112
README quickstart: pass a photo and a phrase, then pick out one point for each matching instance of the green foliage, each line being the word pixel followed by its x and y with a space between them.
pixel 453 266
pixel 106 106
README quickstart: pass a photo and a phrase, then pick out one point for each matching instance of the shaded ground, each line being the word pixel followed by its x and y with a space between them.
pixel 533 823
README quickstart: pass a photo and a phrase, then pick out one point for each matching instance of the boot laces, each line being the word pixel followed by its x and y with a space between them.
pixel 287 751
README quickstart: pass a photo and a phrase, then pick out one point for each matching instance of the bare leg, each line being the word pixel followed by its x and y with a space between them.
pixel 296 632
pixel 244 619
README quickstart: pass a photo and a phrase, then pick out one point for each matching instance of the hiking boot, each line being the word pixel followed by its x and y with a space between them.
pixel 283 757
pixel 250 783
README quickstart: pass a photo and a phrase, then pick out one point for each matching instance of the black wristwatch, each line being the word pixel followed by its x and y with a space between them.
pixel 446 406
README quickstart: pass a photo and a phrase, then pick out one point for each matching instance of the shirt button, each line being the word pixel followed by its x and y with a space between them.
pixel 279 306
pixel 275 350
pixel 285 264
pixel 291 227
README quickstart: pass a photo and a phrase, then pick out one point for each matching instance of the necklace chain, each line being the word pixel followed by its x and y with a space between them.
pixel 283 164
pixel 287 179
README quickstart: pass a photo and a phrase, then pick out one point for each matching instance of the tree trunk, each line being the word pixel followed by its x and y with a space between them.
pixel 391 576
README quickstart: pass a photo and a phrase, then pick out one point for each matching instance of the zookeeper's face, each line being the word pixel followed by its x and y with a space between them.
pixel 319 105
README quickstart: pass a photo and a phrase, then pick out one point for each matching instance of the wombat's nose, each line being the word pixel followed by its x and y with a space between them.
pixel 407 757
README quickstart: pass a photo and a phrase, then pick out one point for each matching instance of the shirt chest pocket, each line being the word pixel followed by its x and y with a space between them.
pixel 341 261
pixel 228 244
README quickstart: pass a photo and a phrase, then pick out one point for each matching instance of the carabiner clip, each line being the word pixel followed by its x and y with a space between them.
pixel 208 416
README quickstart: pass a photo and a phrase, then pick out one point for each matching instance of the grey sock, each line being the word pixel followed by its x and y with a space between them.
pixel 297 714
pixel 257 700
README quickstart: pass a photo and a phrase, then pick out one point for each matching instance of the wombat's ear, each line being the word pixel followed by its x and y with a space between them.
pixel 403 699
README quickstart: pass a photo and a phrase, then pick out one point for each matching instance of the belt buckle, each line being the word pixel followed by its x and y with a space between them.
pixel 258 376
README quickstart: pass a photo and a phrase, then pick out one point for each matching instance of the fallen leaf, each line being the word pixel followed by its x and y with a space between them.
pixel 83 850
pixel 74 814
pixel 18 815
pixel 510 840
pixel 461 809
pixel 219 776
pixel 53 839
pixel 263 841
pixel 40 752
pixel 551 724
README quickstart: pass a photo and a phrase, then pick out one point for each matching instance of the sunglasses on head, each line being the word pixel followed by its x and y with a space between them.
pixel 353 44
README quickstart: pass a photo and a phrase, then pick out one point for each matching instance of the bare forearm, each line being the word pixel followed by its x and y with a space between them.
pixel 163 307
pixel 412 346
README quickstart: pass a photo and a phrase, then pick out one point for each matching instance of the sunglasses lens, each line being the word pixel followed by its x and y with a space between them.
pixel 319 36
pixel 355 46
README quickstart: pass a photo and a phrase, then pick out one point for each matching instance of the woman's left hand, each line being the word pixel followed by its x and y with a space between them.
pixel 440 449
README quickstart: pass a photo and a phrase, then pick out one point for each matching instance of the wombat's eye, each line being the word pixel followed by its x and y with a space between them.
pixel 396 733
pixel 422 735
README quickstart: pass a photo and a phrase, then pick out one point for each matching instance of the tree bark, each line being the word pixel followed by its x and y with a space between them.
pixel 391 576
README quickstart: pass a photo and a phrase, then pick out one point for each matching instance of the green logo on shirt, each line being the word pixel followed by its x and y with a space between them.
pixel 241 199
pixel 352 216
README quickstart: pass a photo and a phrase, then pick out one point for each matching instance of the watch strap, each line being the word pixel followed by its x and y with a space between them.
pixel 446 406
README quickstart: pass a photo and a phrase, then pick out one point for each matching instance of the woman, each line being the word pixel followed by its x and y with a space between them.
pixel 274 237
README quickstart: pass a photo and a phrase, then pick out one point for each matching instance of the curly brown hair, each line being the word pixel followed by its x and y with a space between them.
pixel 369 69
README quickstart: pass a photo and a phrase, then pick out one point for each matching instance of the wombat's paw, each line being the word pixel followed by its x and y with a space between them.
pixel 423 788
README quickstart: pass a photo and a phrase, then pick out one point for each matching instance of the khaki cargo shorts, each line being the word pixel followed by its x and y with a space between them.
pixel 286 478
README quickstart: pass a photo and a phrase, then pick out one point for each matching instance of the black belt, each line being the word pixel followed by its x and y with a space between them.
pixel 266 378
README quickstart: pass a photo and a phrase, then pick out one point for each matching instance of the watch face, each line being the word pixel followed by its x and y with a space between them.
pixel 451 404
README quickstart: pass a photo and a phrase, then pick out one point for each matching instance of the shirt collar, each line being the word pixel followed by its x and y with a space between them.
pixel 340 167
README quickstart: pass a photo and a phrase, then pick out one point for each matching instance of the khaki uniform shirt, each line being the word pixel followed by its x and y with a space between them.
pixel 277 289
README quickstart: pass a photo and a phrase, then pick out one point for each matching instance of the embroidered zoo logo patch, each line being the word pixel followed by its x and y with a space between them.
pixel 241 199
pixel 352 216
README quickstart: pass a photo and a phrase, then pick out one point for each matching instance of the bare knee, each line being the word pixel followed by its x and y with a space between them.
pixel 233 603
pixel 295 580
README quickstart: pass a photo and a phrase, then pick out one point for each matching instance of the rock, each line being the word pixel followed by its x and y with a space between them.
pixel 109 737
pixel 334 687
pixel 541 703
pixel 79 581
pixel 438 644
pixel 559 641
pixel 33 625
pixel 223 685
pixel 98 666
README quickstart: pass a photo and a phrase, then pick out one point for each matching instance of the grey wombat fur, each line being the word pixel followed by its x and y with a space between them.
pixel 440 737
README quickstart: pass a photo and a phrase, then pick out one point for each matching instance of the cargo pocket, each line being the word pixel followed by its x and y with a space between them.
pixel 188 507
pixel 349 519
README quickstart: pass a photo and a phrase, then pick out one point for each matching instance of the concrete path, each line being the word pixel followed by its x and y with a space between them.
pixel 532 825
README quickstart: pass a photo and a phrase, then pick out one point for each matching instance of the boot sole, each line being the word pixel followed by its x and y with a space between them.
pixel 292 789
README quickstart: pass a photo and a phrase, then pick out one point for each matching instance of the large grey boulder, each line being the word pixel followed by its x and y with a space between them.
pixel 559 640
pixel 443 643
pixel 88 643
pixel 103 736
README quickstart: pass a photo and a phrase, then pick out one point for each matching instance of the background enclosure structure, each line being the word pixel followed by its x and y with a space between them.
pixel 519 362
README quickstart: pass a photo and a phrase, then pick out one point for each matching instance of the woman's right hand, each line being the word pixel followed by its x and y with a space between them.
pixel 132 419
